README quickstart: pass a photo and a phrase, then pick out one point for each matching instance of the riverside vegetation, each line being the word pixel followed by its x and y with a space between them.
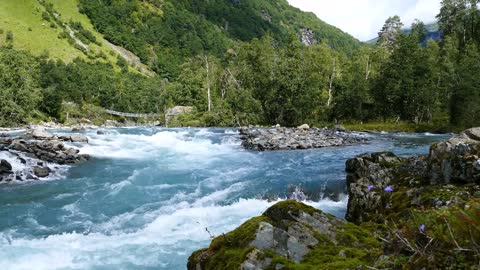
pixel 237 62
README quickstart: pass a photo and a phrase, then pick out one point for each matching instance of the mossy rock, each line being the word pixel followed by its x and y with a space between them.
pixel 340 245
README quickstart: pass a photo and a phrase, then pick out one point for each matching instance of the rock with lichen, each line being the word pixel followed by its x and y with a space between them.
pixel 290 234
pixel 457 159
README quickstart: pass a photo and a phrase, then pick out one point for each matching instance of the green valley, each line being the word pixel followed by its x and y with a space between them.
pixel 237 62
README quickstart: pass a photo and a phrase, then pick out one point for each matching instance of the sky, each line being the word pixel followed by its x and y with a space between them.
pixel 364 18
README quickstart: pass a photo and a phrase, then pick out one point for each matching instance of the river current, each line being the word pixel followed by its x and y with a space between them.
pixel 151 196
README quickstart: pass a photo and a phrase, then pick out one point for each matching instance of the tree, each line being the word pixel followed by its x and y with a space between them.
pixel 19 89
pixel 388 35
pixel 465 102
pixel 460 19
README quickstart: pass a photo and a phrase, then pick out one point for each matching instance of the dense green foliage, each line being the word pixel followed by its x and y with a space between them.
pixel 242 62
pixel 35 88
pixel 164 32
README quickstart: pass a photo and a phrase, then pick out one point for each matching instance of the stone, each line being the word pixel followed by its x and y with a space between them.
pixel 455 160
pixel 78 129
pixel 41 171
pixel 340 128
pixel 304 126
pixel 101 132
pixel 41 134
pixel 473 133
pixel 255 260
pixel 78 138
pixel 5 166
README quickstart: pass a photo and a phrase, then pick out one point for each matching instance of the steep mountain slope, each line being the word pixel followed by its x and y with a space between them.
pixel 38 28
pixel 56 28
pixel 164 32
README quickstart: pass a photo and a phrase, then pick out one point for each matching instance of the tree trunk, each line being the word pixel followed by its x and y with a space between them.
pixel 367 72
pixel 330 87
pixel 208 85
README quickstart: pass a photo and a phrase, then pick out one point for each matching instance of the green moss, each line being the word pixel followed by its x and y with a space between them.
pixel 228 251
pixel 239 237
pixel 281 213
pixel 228 259
pixel 351 234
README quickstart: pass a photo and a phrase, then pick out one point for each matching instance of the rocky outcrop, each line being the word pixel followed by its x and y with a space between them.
pixel 456 160
pixel 403 213
pixel 303 137
pixel 173 113
pixel 41 134
pixel 383 184
pixel 34 151
pixel 308 37
pixel 371 180
pixel 50 150
pixel 287 233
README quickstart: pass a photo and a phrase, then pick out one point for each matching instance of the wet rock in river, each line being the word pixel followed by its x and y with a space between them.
pixel 264 139
pixel 5 166
pixel 41 171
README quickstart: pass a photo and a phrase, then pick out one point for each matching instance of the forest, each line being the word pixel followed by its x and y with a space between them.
pixel 263 76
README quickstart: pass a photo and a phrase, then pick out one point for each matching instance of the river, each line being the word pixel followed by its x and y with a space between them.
pixel 151 196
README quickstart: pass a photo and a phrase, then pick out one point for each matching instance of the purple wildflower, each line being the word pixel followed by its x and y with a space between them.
pixel 370 187
pixel 422 228
pixel 388 189
pixel 388 206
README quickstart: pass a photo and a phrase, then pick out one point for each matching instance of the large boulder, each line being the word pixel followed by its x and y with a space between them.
pixel 40 134
pixel 287 233
pixel 367 178
pixel 457 159
pixel 5 166
pixel 78 138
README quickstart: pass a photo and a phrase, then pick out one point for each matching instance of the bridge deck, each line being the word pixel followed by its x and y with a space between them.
pixel 134 115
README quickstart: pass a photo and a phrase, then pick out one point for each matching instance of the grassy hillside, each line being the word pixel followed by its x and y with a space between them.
pixel 165 32
pixel 37 29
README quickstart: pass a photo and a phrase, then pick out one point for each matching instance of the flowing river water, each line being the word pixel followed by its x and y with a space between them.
pixel 147 197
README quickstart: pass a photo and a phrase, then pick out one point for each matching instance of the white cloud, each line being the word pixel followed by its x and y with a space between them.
pixel 364 18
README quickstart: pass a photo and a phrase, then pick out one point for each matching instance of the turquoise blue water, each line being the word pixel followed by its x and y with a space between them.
pixel 148 195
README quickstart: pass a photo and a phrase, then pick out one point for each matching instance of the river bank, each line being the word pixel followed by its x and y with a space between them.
pixel 415 213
